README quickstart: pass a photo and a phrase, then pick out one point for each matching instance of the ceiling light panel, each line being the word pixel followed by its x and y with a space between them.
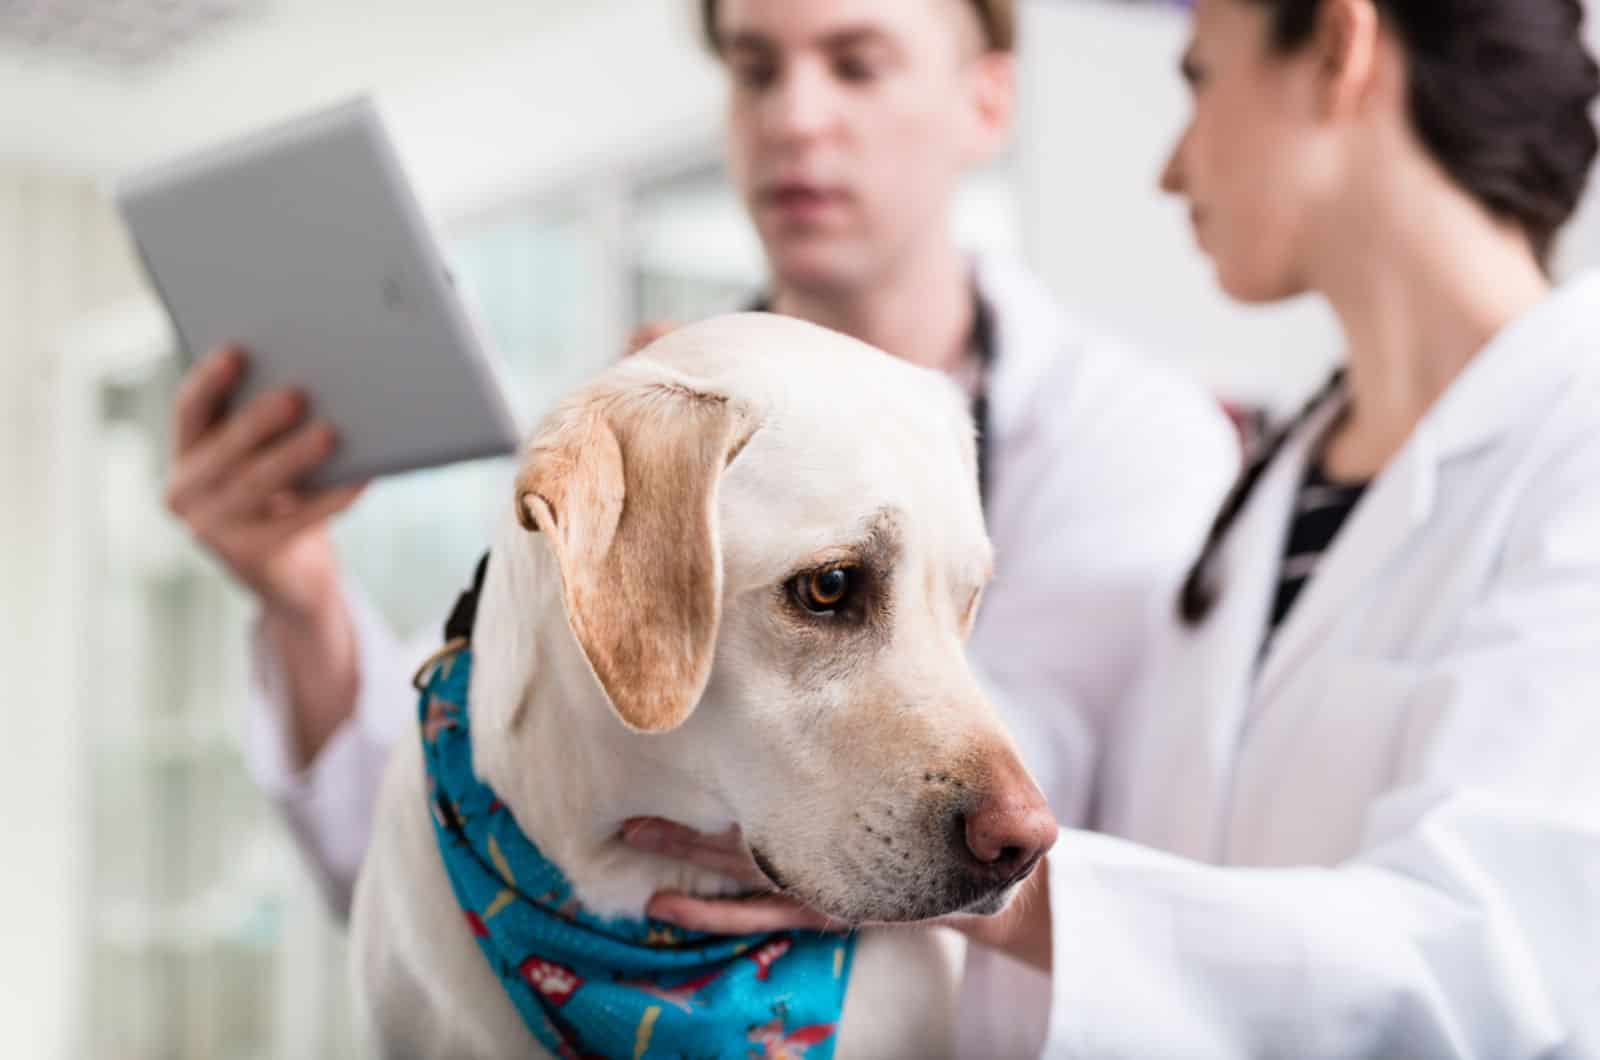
pixel 125 34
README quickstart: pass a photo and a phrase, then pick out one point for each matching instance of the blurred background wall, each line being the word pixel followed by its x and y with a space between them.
pixel 568 153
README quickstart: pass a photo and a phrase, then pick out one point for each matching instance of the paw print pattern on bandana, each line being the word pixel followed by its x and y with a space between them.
pixel 554 982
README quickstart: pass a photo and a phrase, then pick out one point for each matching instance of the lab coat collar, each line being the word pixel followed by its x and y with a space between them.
pixel 1527 364
pixel 1030 332
pixel 1521 369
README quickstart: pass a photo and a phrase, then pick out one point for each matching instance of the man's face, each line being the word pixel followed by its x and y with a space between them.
pixel 850 123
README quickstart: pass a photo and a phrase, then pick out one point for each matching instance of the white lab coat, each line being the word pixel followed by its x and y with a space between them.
pixel 1105 470
pixel 1385 840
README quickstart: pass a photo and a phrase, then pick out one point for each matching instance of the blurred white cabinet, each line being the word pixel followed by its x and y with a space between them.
pixel 199 924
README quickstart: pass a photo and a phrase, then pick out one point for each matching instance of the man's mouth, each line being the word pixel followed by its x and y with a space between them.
pixel 801 202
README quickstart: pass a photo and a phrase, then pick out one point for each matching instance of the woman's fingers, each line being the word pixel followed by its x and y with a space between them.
pixel 739 916
pixel 723 852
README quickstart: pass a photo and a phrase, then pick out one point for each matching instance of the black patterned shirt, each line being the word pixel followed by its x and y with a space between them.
pixel 1320 509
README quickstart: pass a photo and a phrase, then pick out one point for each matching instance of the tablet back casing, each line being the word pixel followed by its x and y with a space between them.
pixel 304 245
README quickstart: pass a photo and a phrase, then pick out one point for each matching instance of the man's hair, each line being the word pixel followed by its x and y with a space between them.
pixel 997 17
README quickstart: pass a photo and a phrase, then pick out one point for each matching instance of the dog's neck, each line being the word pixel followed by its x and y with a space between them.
pixel 546 739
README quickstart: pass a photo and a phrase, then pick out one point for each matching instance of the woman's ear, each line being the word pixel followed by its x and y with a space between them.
pixel 1347 42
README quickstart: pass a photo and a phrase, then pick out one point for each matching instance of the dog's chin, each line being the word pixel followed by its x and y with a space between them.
pixel 855 909
pixel 994 903
pixel 965 899
pixel 931 891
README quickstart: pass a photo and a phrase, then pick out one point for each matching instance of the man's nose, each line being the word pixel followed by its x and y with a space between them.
pixel 803 105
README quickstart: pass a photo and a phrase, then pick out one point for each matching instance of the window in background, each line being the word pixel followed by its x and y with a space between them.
pixel 694 253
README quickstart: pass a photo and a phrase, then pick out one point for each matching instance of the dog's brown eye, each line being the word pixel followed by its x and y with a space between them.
pixel 824 591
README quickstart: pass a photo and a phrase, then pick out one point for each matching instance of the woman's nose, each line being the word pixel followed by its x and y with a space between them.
pixel 1172 180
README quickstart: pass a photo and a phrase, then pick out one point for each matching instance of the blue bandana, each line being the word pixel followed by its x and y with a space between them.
pixel 592 987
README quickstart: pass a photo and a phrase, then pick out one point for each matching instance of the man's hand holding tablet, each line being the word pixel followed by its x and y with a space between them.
pixel 335 349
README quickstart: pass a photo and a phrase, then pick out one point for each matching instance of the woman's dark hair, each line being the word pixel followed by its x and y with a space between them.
pixel 1500 96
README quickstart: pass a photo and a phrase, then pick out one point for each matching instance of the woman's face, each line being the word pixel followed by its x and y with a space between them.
pixel 1256 163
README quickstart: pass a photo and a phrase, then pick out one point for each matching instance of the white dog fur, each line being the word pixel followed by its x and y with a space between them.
pixel 694 481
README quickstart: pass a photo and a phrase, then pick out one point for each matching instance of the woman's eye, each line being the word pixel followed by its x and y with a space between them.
pixel 824 591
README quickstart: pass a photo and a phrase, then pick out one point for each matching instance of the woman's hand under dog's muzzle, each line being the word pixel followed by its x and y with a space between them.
pixel 1023 929
pixel 725 853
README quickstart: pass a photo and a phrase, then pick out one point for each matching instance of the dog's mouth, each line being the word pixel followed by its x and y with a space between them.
pixel 768 870
pixel 947 898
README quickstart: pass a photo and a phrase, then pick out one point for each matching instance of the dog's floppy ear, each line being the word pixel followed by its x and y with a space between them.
pixel 625 488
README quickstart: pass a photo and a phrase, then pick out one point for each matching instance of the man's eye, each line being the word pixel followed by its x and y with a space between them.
pixel 755 75
pixel 854 68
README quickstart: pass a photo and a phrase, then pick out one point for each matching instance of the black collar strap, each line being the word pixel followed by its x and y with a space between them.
pixel 459 625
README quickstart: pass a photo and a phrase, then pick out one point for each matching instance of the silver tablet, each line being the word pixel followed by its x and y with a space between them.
pixel 305 245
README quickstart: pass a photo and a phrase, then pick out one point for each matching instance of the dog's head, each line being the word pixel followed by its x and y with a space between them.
pixel 771 552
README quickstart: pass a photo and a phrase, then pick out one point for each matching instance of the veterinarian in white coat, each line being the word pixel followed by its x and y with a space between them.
pixel 1354 810
pixel 850 123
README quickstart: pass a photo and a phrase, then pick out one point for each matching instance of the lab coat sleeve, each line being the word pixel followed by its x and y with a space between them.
pixel 328 805
pixel 1102 494
pixel 1468 926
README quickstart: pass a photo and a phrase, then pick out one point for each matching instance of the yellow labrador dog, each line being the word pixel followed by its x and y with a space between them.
pixel 733 587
